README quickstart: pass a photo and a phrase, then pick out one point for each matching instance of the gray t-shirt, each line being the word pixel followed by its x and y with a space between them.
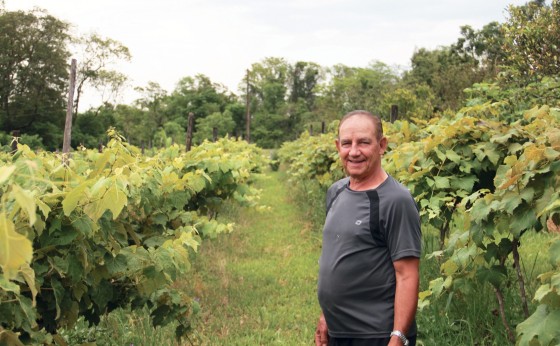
pixel 364 232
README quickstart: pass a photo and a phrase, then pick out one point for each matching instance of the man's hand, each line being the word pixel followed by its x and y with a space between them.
pixel 321 334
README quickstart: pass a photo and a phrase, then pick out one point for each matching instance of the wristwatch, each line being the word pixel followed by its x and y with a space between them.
pixel 401 336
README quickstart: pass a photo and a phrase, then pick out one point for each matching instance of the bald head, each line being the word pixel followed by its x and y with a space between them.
pixel 375 120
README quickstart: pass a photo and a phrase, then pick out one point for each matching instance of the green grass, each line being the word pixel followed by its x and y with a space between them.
pixel 257 286
pixel 120 327
pixel 472 318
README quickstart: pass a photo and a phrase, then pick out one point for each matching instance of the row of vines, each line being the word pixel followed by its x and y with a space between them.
pixel 108 230
pixel 482 182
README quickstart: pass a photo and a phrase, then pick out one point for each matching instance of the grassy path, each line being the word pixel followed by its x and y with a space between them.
pixel 257 286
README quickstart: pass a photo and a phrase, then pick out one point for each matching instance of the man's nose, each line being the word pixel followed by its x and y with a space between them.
pixel 354 150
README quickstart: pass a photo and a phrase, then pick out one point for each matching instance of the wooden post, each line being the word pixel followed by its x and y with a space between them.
pixel 69 107
pixel 322 127
pixel 15 140
pixel 394 113
pixel 100 147
pixel 214 134
pixel 189 131
pixel 142 148
pixel 311 130
pixel 248 114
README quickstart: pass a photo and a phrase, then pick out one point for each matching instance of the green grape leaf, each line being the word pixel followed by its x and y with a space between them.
pixel 29 277
pixel 442 182
pixel 8 286
pixel 15 249
pixel 548 295
pixel 554 253
pixel 115 200
pixel 5 172
pixel 27 308
pixel 58 290
pixel 437 286
pixel 43 207
pixel 463 183
pixel 103 294
pixel 541 328
pixel 73 197
pixel 26 201
pixel 521 221
pixel 452 155
pixel 85 225
pixel 116 265
pixel 494 275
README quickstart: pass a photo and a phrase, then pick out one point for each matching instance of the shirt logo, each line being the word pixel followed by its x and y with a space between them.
pixel 358 222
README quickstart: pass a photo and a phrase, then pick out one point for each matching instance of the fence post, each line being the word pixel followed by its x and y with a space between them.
pixel 15 140
pixel 69 107
pixel 394 113
pixel 189 131
pixel 311 129
pixel 214 134
pixel 322 127
pixel 247 114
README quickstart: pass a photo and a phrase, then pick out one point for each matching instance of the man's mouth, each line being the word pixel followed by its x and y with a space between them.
pixel 356 161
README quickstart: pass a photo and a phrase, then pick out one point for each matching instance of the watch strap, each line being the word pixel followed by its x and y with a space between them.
pixel 401 336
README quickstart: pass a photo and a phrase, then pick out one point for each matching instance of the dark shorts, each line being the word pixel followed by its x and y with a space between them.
pixel 365 342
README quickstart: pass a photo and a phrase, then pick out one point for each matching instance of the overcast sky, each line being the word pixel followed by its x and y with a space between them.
pixel 172 39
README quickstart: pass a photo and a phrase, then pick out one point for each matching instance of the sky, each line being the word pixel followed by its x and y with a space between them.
pixel 173 39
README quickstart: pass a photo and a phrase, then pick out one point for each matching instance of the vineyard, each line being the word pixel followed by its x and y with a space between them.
pixel 140 229
pixel 96 231
pixel 482 183
pixel 84 235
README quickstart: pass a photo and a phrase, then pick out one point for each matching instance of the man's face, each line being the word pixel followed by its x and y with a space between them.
pixel 358 147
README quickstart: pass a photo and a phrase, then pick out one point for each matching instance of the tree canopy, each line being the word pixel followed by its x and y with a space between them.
pixel 283 98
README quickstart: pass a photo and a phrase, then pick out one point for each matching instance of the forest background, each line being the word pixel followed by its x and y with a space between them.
pixel 283 98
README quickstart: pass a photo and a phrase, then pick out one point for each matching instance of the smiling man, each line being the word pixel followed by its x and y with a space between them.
pixel 369 265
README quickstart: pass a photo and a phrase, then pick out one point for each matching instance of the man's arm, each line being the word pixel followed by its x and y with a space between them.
pixel 321 334
pixel 406 295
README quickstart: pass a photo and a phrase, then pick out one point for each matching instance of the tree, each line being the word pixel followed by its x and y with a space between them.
pixel 445 72
pixel 352 88
pixel 33 74
pixel 90 128
pixel 482 47
pixel 197 95
pixel 268 85
pixel 134 124
pixel 303 78
pixel 223 122
pixel 96 55
pixel 238 114
pixel 531 41
pixel 153 102
pixel 268 94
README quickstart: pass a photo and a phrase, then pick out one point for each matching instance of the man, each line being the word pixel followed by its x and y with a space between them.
pixel 368 270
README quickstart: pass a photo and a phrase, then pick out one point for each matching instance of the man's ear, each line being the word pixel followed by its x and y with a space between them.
pixel 383 143
pixel 336 141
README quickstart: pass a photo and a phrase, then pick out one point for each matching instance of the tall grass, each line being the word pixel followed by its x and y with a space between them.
pixel 257 286
pixel 120 327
